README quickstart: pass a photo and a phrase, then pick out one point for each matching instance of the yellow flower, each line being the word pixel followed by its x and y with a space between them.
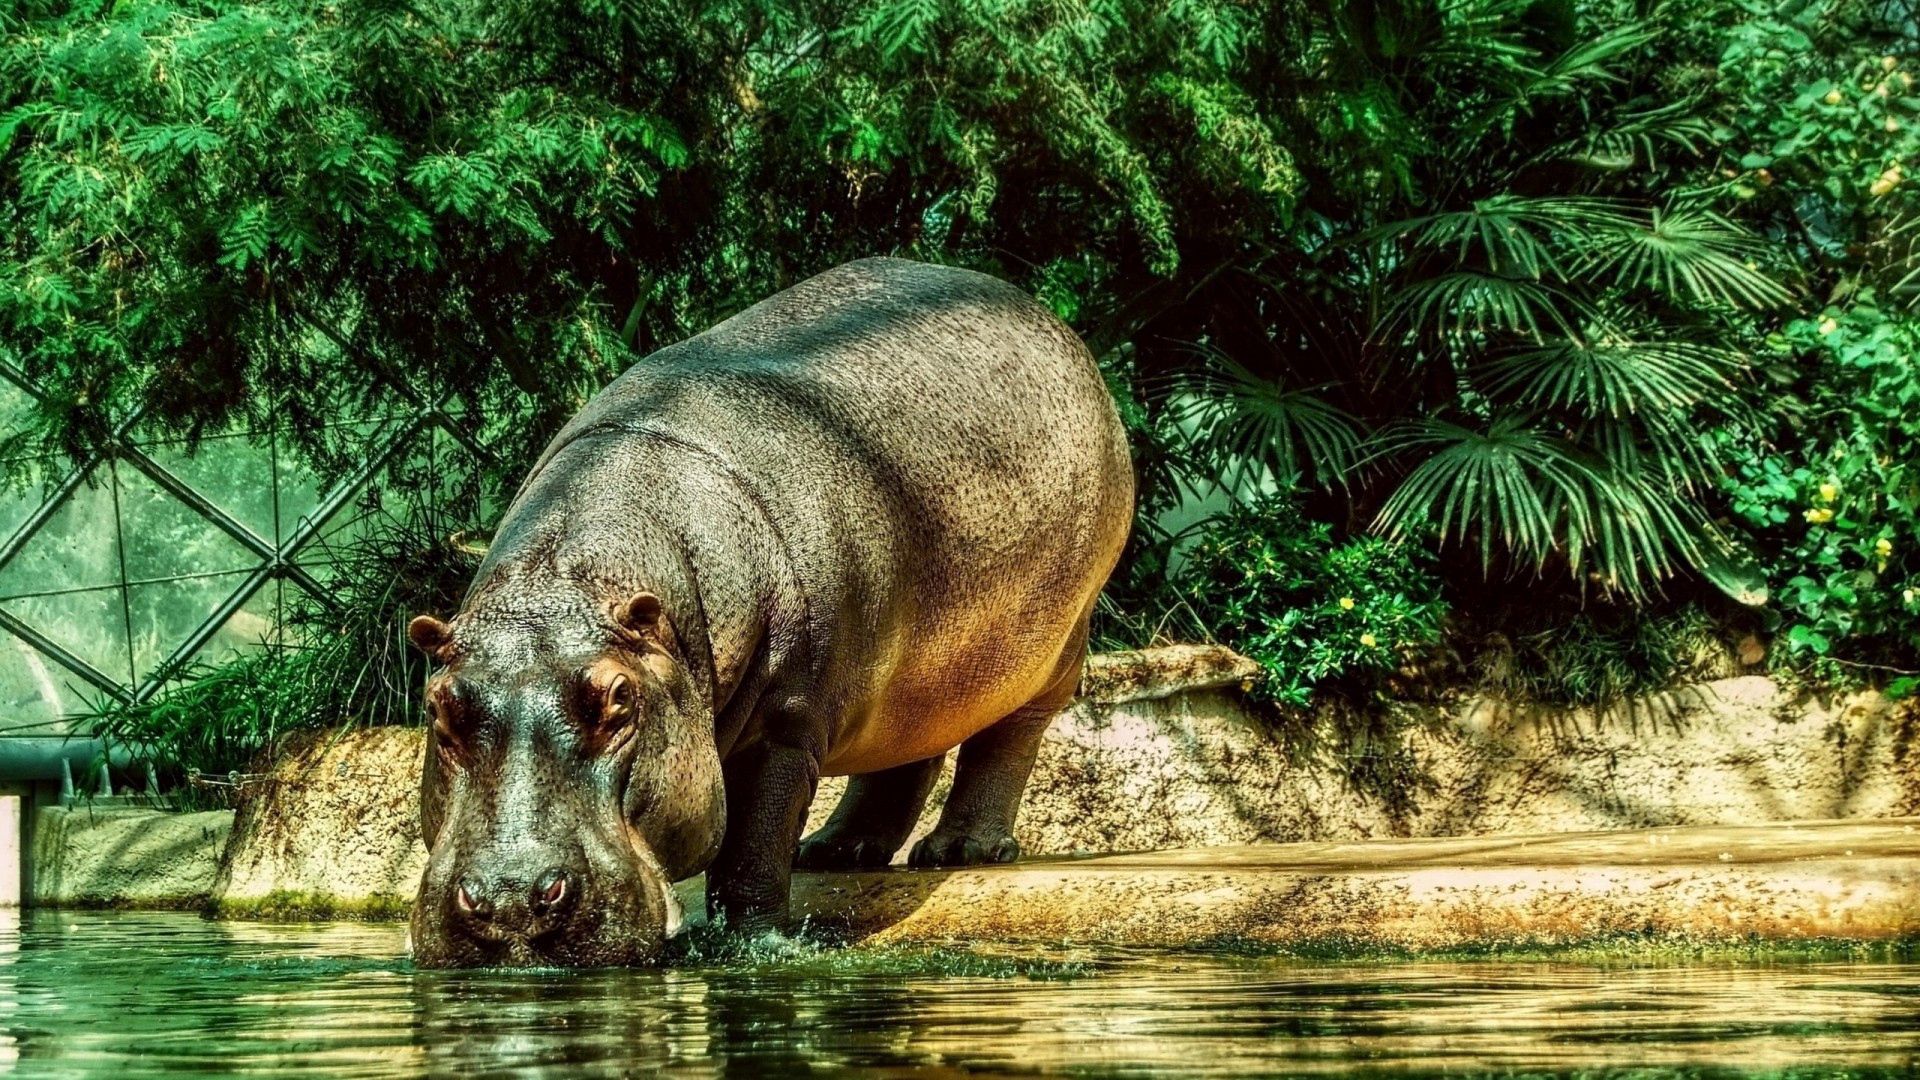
pixel 1888 63
pixel 1828 326
pixel 1368 640
pixel 1829 491
pixel 1887 182
pixel 1883 547
pixel 1833 97
pixel 1346 603
pixel 1907 595
pixel 1892 125
pixel 1819 515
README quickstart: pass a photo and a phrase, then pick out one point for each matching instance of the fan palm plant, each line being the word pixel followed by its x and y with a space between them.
pixel 1545 330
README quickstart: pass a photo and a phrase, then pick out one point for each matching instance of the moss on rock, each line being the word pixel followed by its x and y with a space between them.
pixel 285 905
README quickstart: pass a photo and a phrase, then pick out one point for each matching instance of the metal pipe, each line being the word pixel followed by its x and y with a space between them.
pixel 51 757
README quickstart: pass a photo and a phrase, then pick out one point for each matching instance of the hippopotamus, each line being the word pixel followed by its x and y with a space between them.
pixel 852 527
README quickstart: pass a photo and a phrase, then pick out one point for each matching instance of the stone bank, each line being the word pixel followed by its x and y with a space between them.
pixel 1160 753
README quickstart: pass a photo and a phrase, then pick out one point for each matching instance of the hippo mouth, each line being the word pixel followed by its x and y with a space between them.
pixel 609 932
pixel 654 876
pixel 621 912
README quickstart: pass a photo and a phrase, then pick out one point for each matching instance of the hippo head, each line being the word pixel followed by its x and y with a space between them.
pixel 570 778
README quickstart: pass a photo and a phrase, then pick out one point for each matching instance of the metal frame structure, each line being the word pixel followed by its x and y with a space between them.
pixel 274 558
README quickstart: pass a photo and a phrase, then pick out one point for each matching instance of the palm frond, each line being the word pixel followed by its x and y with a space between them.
pixel 1483 36
pixel 1613 377
pixel 1461 303
pixel 1534 493
pixel 1671 448
pixel 1241 424
pixel 1595 59
pixel 1511 484
pixel 1508 235
pixel 1687 252
pixel 1635 138
pixel 1641 533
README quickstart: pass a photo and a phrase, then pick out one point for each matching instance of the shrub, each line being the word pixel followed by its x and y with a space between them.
pixel 1837 508
pixel 1314 612
pixel 1822 122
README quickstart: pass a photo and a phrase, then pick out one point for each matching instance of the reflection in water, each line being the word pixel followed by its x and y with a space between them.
pixel 173 995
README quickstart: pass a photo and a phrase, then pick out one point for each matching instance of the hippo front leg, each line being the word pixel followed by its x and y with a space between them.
pixel 769 788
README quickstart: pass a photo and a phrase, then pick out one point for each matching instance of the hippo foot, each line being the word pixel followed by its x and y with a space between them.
pixel 753 923
pixel 843 853
pixel 960 849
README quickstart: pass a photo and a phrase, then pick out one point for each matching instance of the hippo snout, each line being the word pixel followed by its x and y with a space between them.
pixel 539 911
pixel 500 906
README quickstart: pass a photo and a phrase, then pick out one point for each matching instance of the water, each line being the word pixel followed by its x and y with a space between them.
pixel 127 995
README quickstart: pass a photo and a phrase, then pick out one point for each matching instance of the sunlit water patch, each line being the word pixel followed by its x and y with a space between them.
pixel 120 995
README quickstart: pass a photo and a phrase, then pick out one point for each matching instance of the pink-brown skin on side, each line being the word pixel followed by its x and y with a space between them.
pixel 843 532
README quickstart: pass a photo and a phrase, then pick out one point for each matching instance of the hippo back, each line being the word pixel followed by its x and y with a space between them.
pixel 942 463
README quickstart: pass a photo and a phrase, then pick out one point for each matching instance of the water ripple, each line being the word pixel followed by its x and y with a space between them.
pixel 157 995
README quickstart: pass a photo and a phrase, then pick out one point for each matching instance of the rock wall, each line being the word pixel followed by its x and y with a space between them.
pixel 1159 752
pixel 1187 767
pixel 1731 752
pixel 86 857
pixel 333 830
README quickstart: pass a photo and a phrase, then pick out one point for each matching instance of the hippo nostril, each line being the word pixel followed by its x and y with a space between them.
pixel 472 902
pixel 554 890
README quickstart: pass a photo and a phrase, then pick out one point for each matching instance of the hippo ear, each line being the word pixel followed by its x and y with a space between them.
pixel 430 635
pixel 641 614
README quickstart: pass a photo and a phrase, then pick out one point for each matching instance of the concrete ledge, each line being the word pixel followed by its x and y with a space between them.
pixel 1817 880
pixel 120 857
pixel 1161 752
pixel 1151 674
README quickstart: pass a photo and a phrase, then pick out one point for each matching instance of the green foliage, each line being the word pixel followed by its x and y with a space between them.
pixel 1822 124
pixel 1601 658
pixel 220 206
pixel 1303 228
pixel 1510 325
pixel 1539 287
pixel 1341 629
pixel 1313 612
pixel 1838 508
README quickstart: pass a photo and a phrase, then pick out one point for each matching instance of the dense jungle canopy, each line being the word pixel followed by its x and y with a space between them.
pixel 1543 341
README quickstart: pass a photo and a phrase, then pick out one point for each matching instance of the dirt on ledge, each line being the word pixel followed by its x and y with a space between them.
pixel 1805 882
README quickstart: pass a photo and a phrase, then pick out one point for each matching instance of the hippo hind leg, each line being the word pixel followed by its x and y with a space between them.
pixel 976 825
pixel 873 819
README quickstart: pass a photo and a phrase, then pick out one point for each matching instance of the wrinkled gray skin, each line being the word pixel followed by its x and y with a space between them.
pixel 843 532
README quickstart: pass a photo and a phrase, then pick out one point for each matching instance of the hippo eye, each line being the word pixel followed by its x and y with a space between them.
pixel 617 704
pixel 445 710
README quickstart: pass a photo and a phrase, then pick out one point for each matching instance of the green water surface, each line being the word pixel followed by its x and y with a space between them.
pixel 133 994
